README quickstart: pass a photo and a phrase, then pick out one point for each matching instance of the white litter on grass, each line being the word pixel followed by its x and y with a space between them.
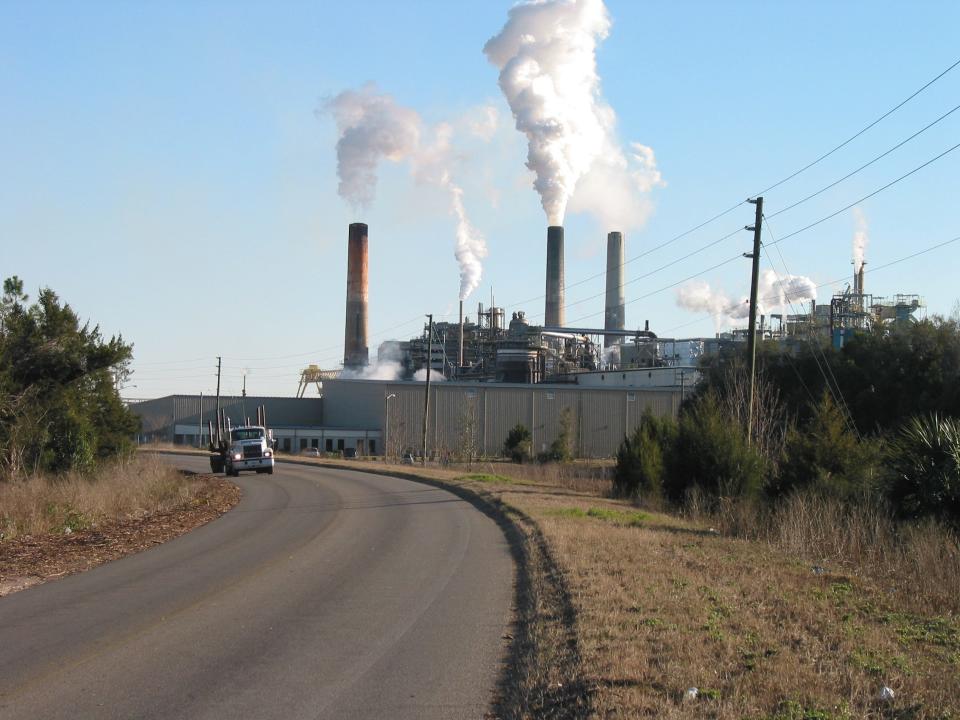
pixel 691 694
pixel 885 694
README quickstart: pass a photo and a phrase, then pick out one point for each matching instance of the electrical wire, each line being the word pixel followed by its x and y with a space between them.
pixel 865 165
pixel 866 197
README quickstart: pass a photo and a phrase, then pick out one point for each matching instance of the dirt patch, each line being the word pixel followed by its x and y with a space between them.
pixel 32 559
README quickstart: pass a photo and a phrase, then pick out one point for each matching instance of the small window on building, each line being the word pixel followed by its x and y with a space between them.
pixel 286 444
pixel 303 443
pixel 373 447
pixel 329 445
pixel 340 444
pixel 315 442
pixel 551 396
pixel 631 397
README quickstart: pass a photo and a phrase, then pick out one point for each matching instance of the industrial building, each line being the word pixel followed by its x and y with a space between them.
pixel 371 417
pixel 490 375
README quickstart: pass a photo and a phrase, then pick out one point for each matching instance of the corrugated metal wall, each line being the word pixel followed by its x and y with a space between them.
pixel 599 418
pixel 459 412
pixel 160 415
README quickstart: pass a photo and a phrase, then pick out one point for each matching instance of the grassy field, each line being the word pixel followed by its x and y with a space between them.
pixel 125 489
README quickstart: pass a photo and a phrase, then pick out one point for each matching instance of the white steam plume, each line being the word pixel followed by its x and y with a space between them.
pixel 546 53
pixel 860 238
pixel 773 292
pixel 373 127
pixel 471 247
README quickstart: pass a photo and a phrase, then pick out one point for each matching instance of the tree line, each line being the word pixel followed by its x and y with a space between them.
pixel 877 418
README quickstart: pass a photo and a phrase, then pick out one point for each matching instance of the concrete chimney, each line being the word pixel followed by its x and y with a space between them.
pixel 355 351
pixel 554 315
pixel 614 308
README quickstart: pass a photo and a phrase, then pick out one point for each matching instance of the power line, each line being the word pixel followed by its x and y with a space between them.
pixel 866 197
pixel 865 165
pixel 859 133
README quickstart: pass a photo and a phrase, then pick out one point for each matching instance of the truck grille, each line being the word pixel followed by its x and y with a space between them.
pixel 252 451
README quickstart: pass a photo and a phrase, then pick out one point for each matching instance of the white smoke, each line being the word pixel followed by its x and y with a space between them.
pixel 610 357
pixel 546 53
pixel 373 127
pixel 860 238
pixel 773 292
pixel 778 291
pixel 471 247
pixel 435 376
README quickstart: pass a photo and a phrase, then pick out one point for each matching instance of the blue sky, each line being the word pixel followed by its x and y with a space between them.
pixel 167 172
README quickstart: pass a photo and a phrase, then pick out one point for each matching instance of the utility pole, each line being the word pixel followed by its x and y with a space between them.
pixel 426 392
pixel 754 281
pixel 200 424
pixel 219 362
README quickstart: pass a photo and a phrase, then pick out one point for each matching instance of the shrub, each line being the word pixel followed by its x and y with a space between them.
pixel 640 465
pixel 711 453
pixel 826 457
pixel 519 444
pixel 925 465
pixel 561 449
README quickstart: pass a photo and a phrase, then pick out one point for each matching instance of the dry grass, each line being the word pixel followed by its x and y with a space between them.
pixel 129 488
pixel 667 605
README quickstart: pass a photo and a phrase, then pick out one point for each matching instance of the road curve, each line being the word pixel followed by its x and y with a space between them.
pixel 323 594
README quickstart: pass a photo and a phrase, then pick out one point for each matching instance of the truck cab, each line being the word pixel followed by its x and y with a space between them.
pixel 250 449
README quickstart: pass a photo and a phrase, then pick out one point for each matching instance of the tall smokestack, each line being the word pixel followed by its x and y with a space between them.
pixel 860 278
pixel 460 353
pixel 614 307
pixel 554 315
pixel 355 352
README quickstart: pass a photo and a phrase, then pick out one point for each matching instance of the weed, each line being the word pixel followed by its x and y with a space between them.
pixel 485 478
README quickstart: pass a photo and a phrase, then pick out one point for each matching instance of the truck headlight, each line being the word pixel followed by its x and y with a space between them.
pixel 237 456
pixel 267 453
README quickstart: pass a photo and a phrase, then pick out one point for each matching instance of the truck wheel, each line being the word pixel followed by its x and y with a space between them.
pixel 270 471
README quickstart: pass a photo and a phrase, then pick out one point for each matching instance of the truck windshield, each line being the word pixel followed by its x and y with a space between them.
pixel 248 434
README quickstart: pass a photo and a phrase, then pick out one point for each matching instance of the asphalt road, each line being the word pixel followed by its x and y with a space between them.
pixel 323 594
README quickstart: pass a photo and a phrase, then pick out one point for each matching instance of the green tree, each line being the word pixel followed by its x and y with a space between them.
pixel 712 453
pixel 59 405
pixel 562 447
pixel 823 454
pixel 642 457
pixel 519 444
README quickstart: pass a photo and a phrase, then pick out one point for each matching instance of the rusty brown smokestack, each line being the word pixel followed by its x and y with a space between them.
pixel 554 315
pixel 355 352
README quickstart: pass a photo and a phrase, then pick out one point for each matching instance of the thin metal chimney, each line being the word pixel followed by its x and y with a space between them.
pixel 554 315
pixel 355 351
pixel 614 307
pixel 460 352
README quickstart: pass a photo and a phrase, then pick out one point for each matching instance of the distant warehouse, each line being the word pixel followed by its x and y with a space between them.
pixel 371 417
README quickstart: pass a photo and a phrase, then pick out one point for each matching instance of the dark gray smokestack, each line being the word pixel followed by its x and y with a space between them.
pixel 355 352
pixel 554 315
pixel 614 308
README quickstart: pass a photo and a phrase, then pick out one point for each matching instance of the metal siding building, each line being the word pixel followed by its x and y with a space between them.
pixel 168 417
pixel 600 417
pixel 373 415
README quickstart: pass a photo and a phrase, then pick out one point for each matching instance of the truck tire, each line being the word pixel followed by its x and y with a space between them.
pixel 270 471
